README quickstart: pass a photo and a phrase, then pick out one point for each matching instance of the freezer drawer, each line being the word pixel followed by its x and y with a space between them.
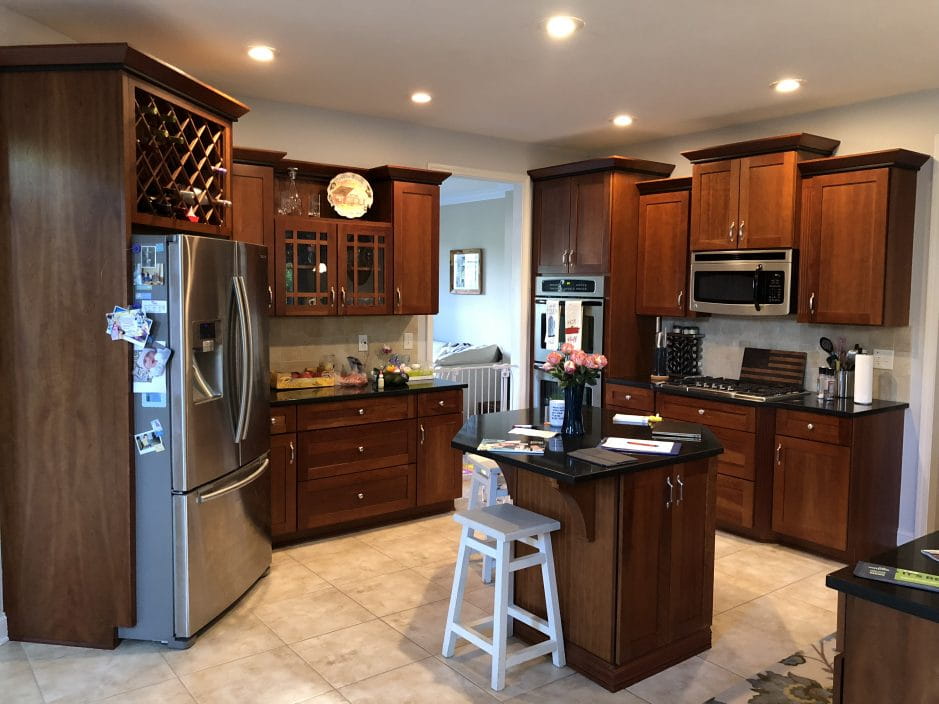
pixel 222 543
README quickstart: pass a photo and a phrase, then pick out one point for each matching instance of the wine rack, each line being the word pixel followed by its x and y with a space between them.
pixel 181 166
pixel 684 354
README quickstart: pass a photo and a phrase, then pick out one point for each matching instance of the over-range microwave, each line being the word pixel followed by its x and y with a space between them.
pixel 744 282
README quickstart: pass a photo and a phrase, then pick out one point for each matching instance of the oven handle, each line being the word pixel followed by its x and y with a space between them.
pixel 756 286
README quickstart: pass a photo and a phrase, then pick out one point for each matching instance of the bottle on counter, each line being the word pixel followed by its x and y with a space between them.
pixel 381 380
pixel 821 383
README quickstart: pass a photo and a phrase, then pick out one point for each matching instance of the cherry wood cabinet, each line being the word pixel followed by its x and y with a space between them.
pixel 715 196
pixel 857 238
pixel 628 399
pixel 440 467
pixel 283 484
pixel 252 213
pixel 551 220
pixel 662 261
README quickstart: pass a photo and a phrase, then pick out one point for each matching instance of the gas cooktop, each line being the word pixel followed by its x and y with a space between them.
pixel 736 388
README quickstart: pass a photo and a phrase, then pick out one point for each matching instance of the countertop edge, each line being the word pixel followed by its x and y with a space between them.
pixel 869 592
pixel 436 386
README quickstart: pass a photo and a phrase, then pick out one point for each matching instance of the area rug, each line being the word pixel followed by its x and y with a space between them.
pixel 805 677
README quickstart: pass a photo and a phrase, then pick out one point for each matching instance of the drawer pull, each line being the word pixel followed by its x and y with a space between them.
pixel 423 434
pixel 361 449
pixel 778 451
pixel 810 426
pixel 628 397
pixel 441 403
pixel 293 452
pixel 361 411
pixel 273 420
pixel 361 495
pixel 700 411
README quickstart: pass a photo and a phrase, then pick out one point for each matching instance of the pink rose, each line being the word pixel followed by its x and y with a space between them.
pixel 567 348
pixel 578 357
pixel 570 367
pixel 602 361
pixel 554 357
pixel 591 362
pixel 547 366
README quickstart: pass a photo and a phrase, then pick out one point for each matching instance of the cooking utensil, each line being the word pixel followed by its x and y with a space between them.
pixel 849 358
pixel 826 345
pixel 832 361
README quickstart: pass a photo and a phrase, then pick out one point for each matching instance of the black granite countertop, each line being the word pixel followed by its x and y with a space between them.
pixel 338 393
pixel 912 601
pixel 556 464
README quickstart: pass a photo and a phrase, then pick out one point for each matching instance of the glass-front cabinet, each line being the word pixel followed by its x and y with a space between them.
pixel 331 267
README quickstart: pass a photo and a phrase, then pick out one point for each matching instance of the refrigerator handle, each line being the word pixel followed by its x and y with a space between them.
pixel 248 370
pixel 243 396
pixel 235 486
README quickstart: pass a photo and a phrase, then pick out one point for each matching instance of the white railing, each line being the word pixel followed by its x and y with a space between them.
pixel 488 389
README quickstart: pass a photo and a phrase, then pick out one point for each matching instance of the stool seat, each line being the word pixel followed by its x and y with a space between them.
pixel 506 521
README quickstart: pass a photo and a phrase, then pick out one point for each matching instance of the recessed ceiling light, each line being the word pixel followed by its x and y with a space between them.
pixel 562 26
pixel 622 120
pixel 260 52
pixel 421 97
pixel 787 85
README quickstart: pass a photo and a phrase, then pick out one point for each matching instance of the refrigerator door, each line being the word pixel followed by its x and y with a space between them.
pixel 252 270
pixel 206 336
pixel 222 544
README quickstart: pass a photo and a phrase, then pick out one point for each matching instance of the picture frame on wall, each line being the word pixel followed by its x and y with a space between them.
pixel 466 271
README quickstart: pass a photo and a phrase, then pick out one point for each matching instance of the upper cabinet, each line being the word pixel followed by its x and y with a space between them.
pixel 857 238
pixel 662 260
pixel 745 195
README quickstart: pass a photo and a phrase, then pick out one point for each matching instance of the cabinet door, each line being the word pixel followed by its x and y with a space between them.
pixel 844 240
pixel 417 248
pixel 439 466
pixel 692 550
pixel 810 491
pixel 305 262
pixel 364 269
pixel 662 273
pixel 767 212
pixel 252 196
pixel 715 188
pixel 283 484
pixel 590 227
pixel 551 226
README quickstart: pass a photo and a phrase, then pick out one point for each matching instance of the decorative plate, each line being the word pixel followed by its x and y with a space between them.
pixel 349 194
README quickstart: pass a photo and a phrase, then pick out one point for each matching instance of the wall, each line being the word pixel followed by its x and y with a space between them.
pixel 910 121
pixel 476 319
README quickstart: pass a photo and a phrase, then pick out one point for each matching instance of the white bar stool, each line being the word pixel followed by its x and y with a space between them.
pixel 503 524
pixel 485 490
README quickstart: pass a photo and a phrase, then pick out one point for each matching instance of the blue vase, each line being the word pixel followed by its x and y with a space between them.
pixel 573 410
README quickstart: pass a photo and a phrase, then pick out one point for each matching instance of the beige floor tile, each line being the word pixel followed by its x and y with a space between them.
pixel 168 692
pixel 441 573
pixel 280 556
pixel 690 682
pixel 352 654
pixel 328 698
pixel 17 683
pixel 304 552
pixel 482 598
pixel 425 624
pixel 66 674
pixel 312 615
pixel 425 682
pixel 275 677
pixel 730 592
pixel 575 689
pixel 395 592
pixel 287 578
pixel 357 561
pixel 728 543
pixel 812 590
pixel 476 666
pixel 237 635
pixel 415 551
pixel 765 568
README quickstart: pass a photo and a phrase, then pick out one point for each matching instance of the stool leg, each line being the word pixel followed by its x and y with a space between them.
pixel 456 594
pixel 475 486
pixel 551 600
pixel 500 615
pixel 492 494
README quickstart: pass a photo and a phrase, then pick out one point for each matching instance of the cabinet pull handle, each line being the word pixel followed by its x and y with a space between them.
pixel 361 411
pixel 810 426
pixel 564 257
pixel 571 257
pixel 332 295
pixel 441 403
pixel 671 489
pixel 422 433
pixel 398 297
pixel 700 411
pixel 270 297
pixel 361 494
pixel 812 303
pixel 730 234
pixel 293 454
pixel 361 449
pixel 681 489
pixel 778 452
pixel 681 295
pixel 342 295
pixel 628 397
pixel 740 233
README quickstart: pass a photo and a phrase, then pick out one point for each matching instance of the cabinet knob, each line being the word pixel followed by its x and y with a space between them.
pixel 361 449
pixel 273 420
pixel 700 411
pixel 628 397
pixel 441 403
pixel 810 426
pixel 361 495
pixel 361 411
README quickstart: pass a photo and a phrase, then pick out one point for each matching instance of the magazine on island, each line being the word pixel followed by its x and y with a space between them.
pixel 525 446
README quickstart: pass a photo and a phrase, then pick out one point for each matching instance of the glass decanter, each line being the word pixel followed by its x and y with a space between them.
pixel 290 203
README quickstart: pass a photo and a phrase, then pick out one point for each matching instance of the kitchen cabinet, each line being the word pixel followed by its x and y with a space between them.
pixel 745 195
pixel 573 216
pixel 440 467
pixel 857 238
pixel 662 262
pixel 622 398
pixel 283 484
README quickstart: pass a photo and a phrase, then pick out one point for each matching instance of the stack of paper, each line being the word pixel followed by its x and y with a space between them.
pixel 652 447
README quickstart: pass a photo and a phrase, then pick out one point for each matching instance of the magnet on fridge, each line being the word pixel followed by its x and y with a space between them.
pixel 153 400
pixel 157 427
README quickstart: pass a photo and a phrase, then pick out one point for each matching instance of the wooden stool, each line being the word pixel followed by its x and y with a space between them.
pixel 485 483
pixel 502 525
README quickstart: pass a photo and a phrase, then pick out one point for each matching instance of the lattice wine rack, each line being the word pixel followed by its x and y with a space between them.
pixel 181 169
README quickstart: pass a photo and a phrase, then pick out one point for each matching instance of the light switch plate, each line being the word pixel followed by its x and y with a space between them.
pixel 409 340
pixel 363 343
pixel 883 359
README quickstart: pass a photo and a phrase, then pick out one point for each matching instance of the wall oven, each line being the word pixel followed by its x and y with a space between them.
pixel 545 387
pixel 744 282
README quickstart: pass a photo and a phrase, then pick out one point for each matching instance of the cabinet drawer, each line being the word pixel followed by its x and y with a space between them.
pixel 330 452
pixel 734 501
pixel 440 403
pixel 739 456
pixel 631 398
pixel 351 496
pixel 814 426
pixel 709 413
pixel 283 419
pixel 335 414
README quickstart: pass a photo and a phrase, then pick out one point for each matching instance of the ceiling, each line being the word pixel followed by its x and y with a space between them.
pixel 458 189
pixel 678 66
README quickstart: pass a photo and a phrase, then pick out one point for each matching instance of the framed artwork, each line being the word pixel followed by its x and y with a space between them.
pixel 466 271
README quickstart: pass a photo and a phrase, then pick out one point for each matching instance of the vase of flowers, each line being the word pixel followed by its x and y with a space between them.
pixel 574 370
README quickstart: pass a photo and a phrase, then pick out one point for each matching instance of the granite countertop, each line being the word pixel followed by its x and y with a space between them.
pixel 556 464
pixel 917 602
pixel 339 393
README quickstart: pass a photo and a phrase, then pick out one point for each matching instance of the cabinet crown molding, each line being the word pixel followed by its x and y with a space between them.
pixel 606 163
pixel 797 141
pixel 898 158
pixel 664 185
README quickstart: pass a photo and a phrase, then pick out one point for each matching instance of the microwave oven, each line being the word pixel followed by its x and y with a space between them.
pixel 744 282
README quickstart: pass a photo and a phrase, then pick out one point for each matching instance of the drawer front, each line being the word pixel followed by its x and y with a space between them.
pixel 440 403
pixel 739 456
pixel 630 398
pixel 813 426
pixel 283 419
pixel 710 413
pixel 330 452
pixel 324 502
pixel 335 414
pixel 734 501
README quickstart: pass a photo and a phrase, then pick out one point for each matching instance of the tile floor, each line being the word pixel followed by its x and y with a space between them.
pixel 359 619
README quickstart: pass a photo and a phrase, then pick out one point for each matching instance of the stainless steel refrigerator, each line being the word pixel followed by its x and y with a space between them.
pixel 203 501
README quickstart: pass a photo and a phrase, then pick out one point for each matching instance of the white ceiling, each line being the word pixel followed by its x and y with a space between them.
pixel 678 66
pixel 458 189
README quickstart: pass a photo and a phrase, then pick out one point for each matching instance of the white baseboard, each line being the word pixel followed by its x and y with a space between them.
pixel 3 628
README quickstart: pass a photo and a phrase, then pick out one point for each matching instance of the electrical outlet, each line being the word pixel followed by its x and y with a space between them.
pixel 883 359
pixel 409 340
pixel 363 343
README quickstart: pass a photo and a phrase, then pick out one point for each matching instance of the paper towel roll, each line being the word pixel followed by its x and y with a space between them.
pixel 864 378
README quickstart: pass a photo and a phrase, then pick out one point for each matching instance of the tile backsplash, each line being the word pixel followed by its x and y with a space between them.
pixel 296 343
pixel 725 338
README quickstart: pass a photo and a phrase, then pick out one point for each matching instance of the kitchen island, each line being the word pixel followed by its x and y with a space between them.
pixel 635 553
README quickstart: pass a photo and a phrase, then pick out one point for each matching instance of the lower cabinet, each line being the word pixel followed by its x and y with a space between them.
pixel 348 497
pixel 621 398
pixel 283 484
pixel 440 467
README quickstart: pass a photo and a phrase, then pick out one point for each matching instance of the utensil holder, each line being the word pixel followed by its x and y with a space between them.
pixel 844 386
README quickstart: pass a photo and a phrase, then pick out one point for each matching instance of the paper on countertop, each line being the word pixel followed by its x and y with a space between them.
pixel 552 324
pixel 573 322
pixel 654 447
pixel 627 419
pixel 533 432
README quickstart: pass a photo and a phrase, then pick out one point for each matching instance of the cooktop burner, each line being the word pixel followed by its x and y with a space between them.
pixel 736 388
